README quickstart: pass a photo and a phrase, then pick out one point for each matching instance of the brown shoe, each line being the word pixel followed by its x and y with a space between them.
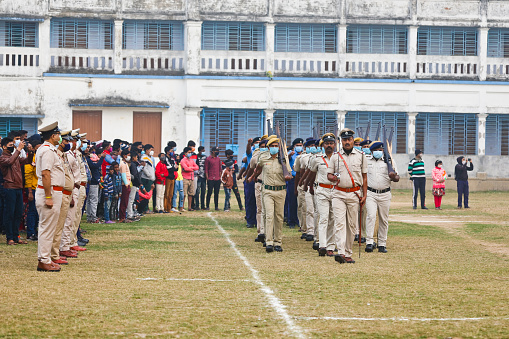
pixel 60 261
pixel 330 253
pixel 47 267
pixel 78 249
pixel 349 260
pixel 68 254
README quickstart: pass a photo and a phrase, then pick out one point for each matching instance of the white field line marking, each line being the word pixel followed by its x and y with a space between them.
pixel 401 319
pixel 273 300
pixel 196 279
pixel 437 221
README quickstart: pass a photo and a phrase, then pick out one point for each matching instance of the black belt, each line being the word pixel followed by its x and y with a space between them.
pixel 259 181
pixel 274 188
pixel 379 191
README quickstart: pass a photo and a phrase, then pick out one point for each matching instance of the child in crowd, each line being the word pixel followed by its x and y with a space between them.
pixel 178 191
pixel 227 180
pixel 108 193
pixel 117 191
pixel 161 174
pixel 144 197
pixel 438 174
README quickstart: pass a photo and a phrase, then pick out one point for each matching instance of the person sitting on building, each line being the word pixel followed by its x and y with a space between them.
pixel 461 176
pixel 439 176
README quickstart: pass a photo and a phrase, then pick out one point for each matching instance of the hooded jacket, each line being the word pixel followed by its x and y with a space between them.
pixel 460 171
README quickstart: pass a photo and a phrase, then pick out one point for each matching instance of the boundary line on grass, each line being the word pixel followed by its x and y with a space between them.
pixel 401 319
pixel 273 300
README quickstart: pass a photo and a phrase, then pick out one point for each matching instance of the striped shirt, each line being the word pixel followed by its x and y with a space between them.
pixel 416 168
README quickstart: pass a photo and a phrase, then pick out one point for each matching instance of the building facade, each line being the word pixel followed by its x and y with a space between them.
pixel 215 71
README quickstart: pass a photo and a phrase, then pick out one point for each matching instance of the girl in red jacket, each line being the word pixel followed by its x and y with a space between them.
pixel 161 174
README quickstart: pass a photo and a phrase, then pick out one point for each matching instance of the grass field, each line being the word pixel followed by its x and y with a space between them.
pixel 446 275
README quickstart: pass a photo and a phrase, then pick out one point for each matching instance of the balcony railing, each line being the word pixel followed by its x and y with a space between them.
pixel 152 60
pixel 377 65
pixel 497 68
pixel 19 61
pixel 232 61
pixel 430 66
pixel 306 63
pixel 82 59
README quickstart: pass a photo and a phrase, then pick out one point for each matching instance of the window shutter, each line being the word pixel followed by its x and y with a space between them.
pixel 306 38
pixel 460 41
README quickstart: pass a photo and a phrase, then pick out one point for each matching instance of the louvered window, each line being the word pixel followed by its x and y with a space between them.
pixel 230 128
pixel 81 33
pixel 19 34
pixel 373 39
pixel 446 133
pixel 398 121
pixel 498 43
pixel 15 124
pixel 454 41
pixel 299 124
pixel 160 35
pixel 313 38
pixel 497 134
pixel 233 36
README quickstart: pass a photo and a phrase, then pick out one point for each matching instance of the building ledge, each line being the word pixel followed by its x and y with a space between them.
pixel 116 102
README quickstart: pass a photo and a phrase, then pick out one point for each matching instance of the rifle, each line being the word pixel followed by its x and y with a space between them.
pixel 377 137
pixel 336 132
pixel 285 162
pixel 360 131
pixel 368 129
pixel 315 133
pixel 392 171
pixel 269 128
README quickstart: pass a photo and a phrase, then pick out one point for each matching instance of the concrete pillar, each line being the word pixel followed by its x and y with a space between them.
pixel 340 116
pixel 411 132
pixel 482 51
pixel 269 47
pixel 192 46
pixel 193 123
pixel 412 51
pixel 342 50
pixel 117 59
pixel 481 134
pixel 44 47
pixel 269 115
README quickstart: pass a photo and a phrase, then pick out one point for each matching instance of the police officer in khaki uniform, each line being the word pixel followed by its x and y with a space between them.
pixel 349 171
pixel 82 193
pixel 274 193
pixel 260 227
pixel 48 195
pixel 66 199
pixel 300 193
pixel 378 198
pixel 365 149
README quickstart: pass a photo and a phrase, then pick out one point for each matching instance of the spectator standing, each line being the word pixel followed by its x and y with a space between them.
pixel 235 188
pixel 10 165
pixel 94 164
pixel 134 168
pixel 148 175
pixel 125 176
pixel 439 176
pixel 2 198
pixel 161 174
pixel 172 167
pixel 108 159
pixel 194 157
pixel 418 176
pixel 189 168
pixel 30 186
pixel 108 189
pixel 213 176
pixel 178 192
pixel 201 186
pixel 461 176
pixel 227 180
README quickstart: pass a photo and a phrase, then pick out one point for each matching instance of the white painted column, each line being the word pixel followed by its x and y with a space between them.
pixel 269 47
pixel 411 132
pixel 44 47
pixel 117 59
pixel 193 123
pixel 342 50
pixel 481 134
pixel 269 115
pixel 192 46
pixel 482 51
pixel 412 51
pixel 340 116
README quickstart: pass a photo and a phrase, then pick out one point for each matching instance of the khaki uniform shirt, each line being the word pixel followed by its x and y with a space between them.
pixel 47 158
pixel 357 164
pixel 297 166
pixel 320 166
pixel 272 170
pixel 81 164
pixel 69 177
pixel 254 159
pixel 378 177
pixel 75 167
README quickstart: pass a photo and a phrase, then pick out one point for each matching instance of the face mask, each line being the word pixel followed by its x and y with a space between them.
pixel 263 149
pixel 67 147
pixel 10 149
pixel 464 162
pixel 377 154
pixel 128 158
pixel 366 150
pixel 274 150
pixel 359 148
pixel 111 149
pixel 188 155
pixel 298 149
pixel 16 143
pixel 216 153
pixel 60 140
pixel 151 153
pixel 142 152
pixel 78 143
pixel 256 146
pixel 439 166
pixel 311 149
pixel 84 147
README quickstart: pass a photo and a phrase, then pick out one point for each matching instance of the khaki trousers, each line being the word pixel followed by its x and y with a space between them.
pixel 48 219
pixel 65 241
pixel 346 214
pixel 168 194
pixel 260 218
pixel 310 213
pixel 77 220
pixel 274 202
pixel 316 216
pixel 382 203
pixel 301 209
pixel 160 190
pixel 324 199
pixel 364 214
pixel 55 249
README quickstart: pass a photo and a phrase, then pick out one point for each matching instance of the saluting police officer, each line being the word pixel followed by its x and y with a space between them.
pixel 349 170
pixel 378 198
pixel 274 193
pixel 48 196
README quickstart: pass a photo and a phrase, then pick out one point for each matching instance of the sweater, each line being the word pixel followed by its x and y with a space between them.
pixel 95 170
pixel 461 171
pixel 161 173
pixel 416 169
pixel 188 167
pixel 438 174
